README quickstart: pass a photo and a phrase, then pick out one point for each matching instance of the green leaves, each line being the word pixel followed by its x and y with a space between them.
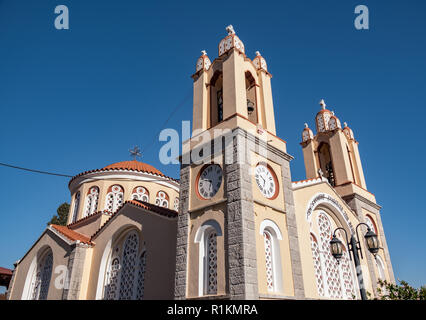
pixel 62 215
pixel 391 291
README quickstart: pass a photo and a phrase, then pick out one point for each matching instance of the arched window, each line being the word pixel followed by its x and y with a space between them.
pixel 141 194
pixel 162 199
pixel 92 199
pixel 41 277
pixel 326 163
pixel 211 263
pixel 333 279
pixel 251 97
pixel 380 267
pixel 267 239
pixel 114 198
pixel 369 221
pixel 176 204
pixel 206 237
pixel 126 280
pixel 76 206
pixel 271 237
pixel 216 101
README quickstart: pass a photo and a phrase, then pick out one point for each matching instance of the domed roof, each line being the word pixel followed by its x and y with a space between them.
pixel 325 119
pixel 307 134
pixel 230 41
pixel 348 131
pixel 203 62
pixel 260 62
pixel 135 166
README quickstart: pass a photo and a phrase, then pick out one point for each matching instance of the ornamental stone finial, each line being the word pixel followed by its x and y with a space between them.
pixel 332 112
pixel 320 173
pixel 204 52
pixel 306 125
pixel 257 53
pixel 322 103
pixel 345 124
pixel 230 29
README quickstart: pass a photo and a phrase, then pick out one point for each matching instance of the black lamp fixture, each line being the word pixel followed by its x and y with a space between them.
pixel 373 245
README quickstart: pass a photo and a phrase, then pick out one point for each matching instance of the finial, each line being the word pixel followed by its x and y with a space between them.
pixel 320 173
pixel 306 125
pixel 257 53
pixel 322 103
pixel 204 52
pixel 135 152
pixel 332 112
pixel 345 124
pixel 230 29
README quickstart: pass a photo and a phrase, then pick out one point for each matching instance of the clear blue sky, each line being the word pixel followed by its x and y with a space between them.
pixel 78 99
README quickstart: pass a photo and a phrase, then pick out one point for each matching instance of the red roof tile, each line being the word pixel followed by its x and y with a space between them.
pixel 71 234
pixel 5 271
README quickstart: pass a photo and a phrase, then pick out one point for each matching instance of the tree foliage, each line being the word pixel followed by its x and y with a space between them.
pixel 403 291
pixel 62 215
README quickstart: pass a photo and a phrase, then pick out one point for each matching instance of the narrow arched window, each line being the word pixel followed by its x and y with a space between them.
pixel 176 204
pixel 162 199
pixel 114 198
pixel 210 267
pixel 267 239
pixel 41 278
pixel 112 280
pixel 92 199
pixel 216 99
pixel 141 194
pixel 76 206
pixel 251 97
pixel 380 267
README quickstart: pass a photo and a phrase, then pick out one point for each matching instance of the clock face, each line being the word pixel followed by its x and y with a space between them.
pixel 265 180
pixel 209 181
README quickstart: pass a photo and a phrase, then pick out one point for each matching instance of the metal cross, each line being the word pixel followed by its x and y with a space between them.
pixel 135 152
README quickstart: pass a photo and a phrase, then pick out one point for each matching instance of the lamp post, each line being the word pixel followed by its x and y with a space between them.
pixel 354 246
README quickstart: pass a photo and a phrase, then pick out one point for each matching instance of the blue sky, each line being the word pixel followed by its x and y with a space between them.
pixel 78 99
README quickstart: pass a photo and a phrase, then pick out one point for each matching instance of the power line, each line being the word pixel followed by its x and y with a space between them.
pixel 36 171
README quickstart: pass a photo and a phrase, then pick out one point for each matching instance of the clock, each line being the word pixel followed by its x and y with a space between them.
pixel 266 180
pixel 209 181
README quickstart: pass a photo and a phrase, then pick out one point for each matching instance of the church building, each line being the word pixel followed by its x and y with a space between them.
pixel 235 226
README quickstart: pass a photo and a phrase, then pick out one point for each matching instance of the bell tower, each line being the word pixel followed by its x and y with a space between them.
pixel 333 153
pixel 236 201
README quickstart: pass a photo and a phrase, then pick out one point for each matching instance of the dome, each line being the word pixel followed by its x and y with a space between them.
pixel 203 62
pixel 348 131
pixel 230 41
pixel 259 62
pixel 135 166
pixel 334 122
pixel 307 134
pixel 322 118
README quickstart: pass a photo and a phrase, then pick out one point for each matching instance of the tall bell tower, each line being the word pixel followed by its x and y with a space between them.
pixel 333 153
pixel 235 188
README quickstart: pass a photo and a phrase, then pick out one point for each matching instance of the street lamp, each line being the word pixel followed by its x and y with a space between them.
pixel 354 246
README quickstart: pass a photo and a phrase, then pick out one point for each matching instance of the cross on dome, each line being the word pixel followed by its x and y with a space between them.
pixel 135 152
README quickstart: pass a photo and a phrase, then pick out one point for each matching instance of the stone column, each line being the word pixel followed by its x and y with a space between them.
pixel 182 234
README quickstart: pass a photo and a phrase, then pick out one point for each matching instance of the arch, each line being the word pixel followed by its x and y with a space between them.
pixel 92 199
pixel 123 266
pixel 114 198
pixel 39 275
pixel 251 96
pixel 216 98
pixel 326 162
pixel 206 237
pixel 370 222
pixel 380 267
pixel 271 234
pixel 76 206
pixel 162 199
pixel 140 193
